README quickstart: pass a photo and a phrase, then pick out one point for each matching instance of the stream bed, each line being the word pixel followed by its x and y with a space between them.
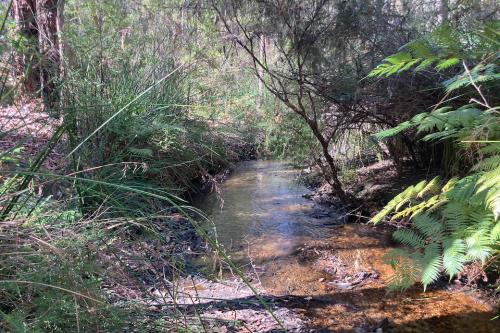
pixel 261 216
pixel 316 273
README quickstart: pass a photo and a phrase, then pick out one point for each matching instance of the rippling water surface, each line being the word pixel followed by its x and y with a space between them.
pixel 263 211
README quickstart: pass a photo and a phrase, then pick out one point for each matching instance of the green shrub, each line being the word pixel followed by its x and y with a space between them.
pixel 452 222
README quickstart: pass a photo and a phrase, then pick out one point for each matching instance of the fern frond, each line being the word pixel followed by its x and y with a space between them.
pixel 396 203
pixel 479 73
pixel 442 135
pixel 428 205
pixel 489 179
pixel 495 232
pixel 409 237
pixel 449 185
pixel 455 217
pixel 409 194
pixel 420 48
pixel 453 255
pixel 393 131
pixel 431 263
pixel 433 121
pixel 491 148
pixel 406 269
pixel 478 246
pixel 492 201
pixel 464 189
pixel 488 164
pixel 447 63
pixel 426 64
pixel 431 187
pixel 380 215
pixel 428 226
pixel 143 152
pixel 393 64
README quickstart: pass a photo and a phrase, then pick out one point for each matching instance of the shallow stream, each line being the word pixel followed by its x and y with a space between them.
pixel 328 276
pixel 261 215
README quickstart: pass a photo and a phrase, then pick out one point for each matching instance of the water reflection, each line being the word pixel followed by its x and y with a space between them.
pixel 263 207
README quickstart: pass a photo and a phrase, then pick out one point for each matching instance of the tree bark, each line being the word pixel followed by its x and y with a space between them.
pixel 262 51
pixel 443 11
pixel 333 177
pixel 48 36
pixel 26 60
pixel 39 24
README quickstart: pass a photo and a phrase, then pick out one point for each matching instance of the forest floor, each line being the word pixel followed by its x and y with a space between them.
pixel 27 129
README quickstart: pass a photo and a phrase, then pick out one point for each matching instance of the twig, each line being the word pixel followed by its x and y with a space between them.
pixel 476 86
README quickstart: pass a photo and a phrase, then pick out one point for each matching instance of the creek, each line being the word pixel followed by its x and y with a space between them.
pixel 261 216
pixel 320 274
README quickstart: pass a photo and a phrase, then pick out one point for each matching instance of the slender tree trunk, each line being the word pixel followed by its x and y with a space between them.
pixel 332 177
pixel 60 39
pixel 39 24
pixel 48 35
pixel 26 60
pixel 262 52
pixel 443 11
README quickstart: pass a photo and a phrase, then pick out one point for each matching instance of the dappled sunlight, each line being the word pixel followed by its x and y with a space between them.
pixel 229 166
pixel 334 276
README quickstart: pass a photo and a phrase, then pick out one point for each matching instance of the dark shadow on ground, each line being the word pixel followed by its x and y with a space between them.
pixel 367 309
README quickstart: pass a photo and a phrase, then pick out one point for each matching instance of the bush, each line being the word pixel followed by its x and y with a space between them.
pixel 452 222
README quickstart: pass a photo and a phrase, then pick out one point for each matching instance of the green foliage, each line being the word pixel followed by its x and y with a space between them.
pixel 138 144
pixel 51 284
pixel 443 49
pixel 452 222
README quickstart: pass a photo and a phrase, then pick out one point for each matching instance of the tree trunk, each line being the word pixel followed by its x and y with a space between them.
pixel 262 52
pixel 332 177
pixel 443 11
pixel 39 24
pixel 48 36
pixel 26 60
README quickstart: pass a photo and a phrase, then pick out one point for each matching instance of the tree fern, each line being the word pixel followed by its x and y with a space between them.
pixel 453 222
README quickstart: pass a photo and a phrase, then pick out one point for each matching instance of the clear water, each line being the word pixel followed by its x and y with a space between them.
pixel 263 213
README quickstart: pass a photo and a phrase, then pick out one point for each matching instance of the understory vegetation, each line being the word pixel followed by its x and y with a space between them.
pixel 116 114
pixel 454 221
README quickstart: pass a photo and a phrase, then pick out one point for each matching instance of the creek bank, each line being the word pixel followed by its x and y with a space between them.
pixel 374 184
pixel 332 283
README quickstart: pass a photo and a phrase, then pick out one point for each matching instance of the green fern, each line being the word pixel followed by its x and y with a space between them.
pixel 455 222
pixel 406 268
pixel 409 237
pixel 431 262
pixel 453 255
pixel 478 74
pixel 428 226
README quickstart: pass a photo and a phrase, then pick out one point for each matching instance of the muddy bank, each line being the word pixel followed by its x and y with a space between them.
pixel 374 184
